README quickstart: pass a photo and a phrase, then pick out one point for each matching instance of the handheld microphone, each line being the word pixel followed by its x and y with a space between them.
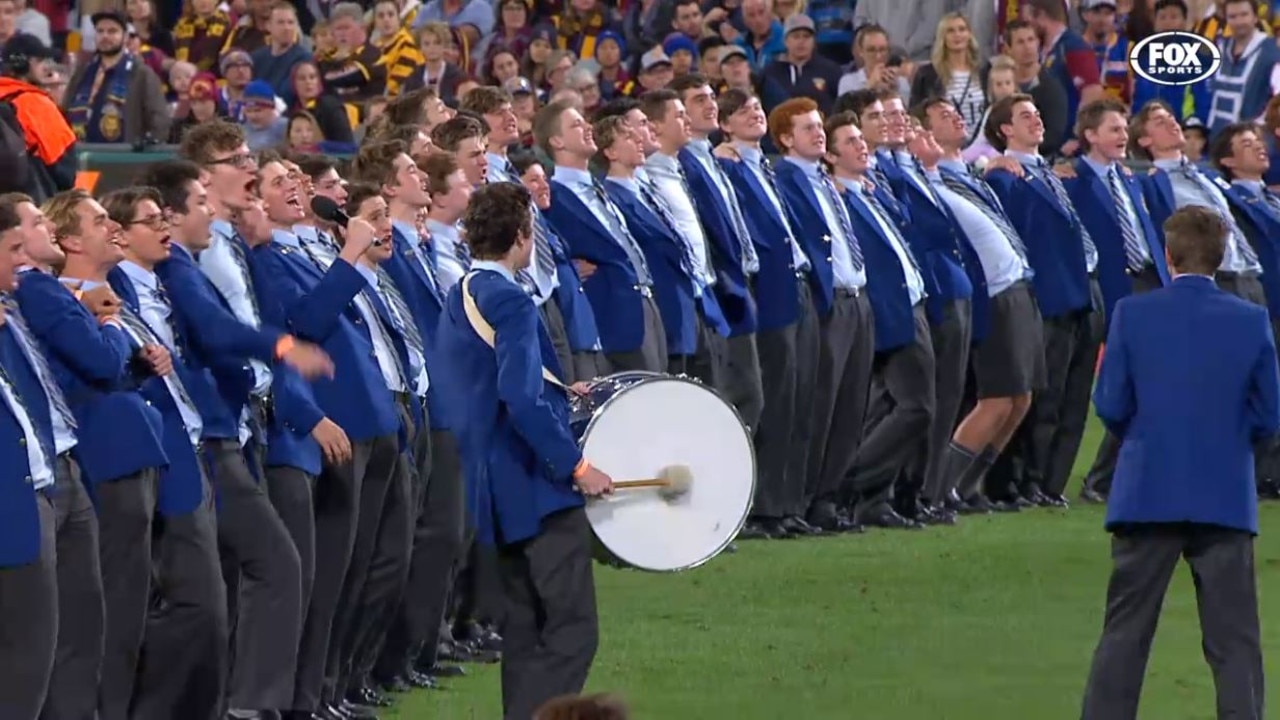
pixel 329 211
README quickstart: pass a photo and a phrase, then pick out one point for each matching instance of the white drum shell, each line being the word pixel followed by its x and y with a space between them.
pixel 655 423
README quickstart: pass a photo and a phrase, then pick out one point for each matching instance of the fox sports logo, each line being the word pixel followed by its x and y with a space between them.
pixel 1175 58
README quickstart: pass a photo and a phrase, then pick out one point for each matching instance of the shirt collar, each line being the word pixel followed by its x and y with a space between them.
pixel 500 162
pixel 309 232
pixel 368 273
pixel 1253 186
pixel 663 161
pixel 750 154
pixel 1169 164
pixel 409 232
pixel 809 167
pixel 82 285
pixel 852 185
pixel 568 176
pixel 222 228
pixel 177 248
pixel 493 267
pixel 439 229
pixel 1103 169
pixel 701 146
pixel 957 166
pixel 1031 159
pixel 286 238
pixel 626 182
pixel 140 275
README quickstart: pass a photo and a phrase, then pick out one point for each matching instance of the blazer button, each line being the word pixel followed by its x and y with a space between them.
pixel 373 353
pixel 28 480
pixel 826 238
pixel 829 258
pixel 148 402
pixel 22 442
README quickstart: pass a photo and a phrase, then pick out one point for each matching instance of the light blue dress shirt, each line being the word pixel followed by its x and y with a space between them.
pixel 39 464
pixel 501 170
pixel 383 348
pixel 845 276
pixel 1001 264
pixel 633 187
pixel 219 264
pixel 753 158
pixel 664 173
pixel 64 432
pixel 446 238
pixel 1037 162
pixel 581 184
pixel 1126 203
pixel 915 283
pixel 1206 193
pixel 155 314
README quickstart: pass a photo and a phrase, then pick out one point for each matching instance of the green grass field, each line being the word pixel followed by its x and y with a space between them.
pixel 994 619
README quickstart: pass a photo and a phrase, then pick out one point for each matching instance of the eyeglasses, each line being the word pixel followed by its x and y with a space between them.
pixel 243 160
pixel 155 222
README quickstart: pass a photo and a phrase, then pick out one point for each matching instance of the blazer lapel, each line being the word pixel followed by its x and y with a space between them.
pixel 1046 192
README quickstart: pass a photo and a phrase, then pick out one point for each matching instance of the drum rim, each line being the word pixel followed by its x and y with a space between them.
pixel 651 375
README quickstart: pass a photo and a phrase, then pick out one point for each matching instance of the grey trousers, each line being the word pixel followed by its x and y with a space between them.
pixel 843 387
pixel 73 688
pixel 549 629
pixel 266 577
pixel 951 340
pixel 651 356
pixel 337 506
pixel 437 543
pixel 184 650
pixel 290 490
pixel 905 377
pixel 742 384
pixel 788 361
pixel 554 321
pixel 709 361
pixel 125 510
pixel 29 622
pixel 1098 478
pixel 1144 558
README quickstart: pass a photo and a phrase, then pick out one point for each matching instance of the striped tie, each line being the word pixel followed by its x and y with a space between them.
pixel 1060 191
pixel 887 220
pixel 989 205
pixel 462 253
pixel 1247 255
pixel 400 312
pixel 38 361
pixel 655 203
pixel 542 249
pixel 146 336
pixel 1133 249
pixel 842 216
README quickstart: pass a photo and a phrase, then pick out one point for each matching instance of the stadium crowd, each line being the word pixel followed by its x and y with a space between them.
pixel 891 233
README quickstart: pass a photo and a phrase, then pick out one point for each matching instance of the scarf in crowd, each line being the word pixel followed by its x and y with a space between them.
pixel 111 119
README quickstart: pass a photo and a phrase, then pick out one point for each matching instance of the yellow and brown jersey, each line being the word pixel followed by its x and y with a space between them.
pixel 356 76
pixel 400 55
pixel 199 40
pixel 245 36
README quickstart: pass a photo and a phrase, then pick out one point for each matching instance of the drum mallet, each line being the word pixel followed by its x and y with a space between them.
pixel 672 482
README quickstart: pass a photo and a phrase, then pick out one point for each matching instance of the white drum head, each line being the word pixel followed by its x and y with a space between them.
pixel 656 424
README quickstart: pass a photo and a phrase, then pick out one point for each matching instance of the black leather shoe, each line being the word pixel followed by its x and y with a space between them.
pixel 936 515
pixel 329 711
pixel 478 654
pixel 752 530
pixel 357 711
pixel 1054 500
pixel 796 525
pixel 1268 490
pixel 442 671
pixel 976 505
pixel 368 696
pixel 1092 497
pixel 421 680
pixel 889 519
pixel 393 685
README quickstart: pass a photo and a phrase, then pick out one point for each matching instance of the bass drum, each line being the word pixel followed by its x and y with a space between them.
pixel 632 425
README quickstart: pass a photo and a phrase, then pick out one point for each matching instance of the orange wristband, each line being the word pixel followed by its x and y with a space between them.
pixel 581 469
pixel 284 345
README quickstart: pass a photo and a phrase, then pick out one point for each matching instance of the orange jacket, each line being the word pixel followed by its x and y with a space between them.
pixel 50 138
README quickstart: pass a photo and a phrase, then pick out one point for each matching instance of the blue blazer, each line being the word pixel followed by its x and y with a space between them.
pixel 570 297
pixel 672 286
pixel 1189 382
pixel 217 339
pixel 318 307
pixel 1261 227
pixel 777 301
pixel 886 280
pixel 614 287
pixel 517 449
pixel 289 440
pixel 954 270
pixel 890 197
pixel 1092 198
pixel 118 433
pixel 1055 249
pixel 19 516
pixel 182 483
pixel 811 230
pixel 732 290
pixel 425 302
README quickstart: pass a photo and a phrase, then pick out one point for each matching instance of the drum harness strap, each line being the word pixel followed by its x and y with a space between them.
pixel 486 332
